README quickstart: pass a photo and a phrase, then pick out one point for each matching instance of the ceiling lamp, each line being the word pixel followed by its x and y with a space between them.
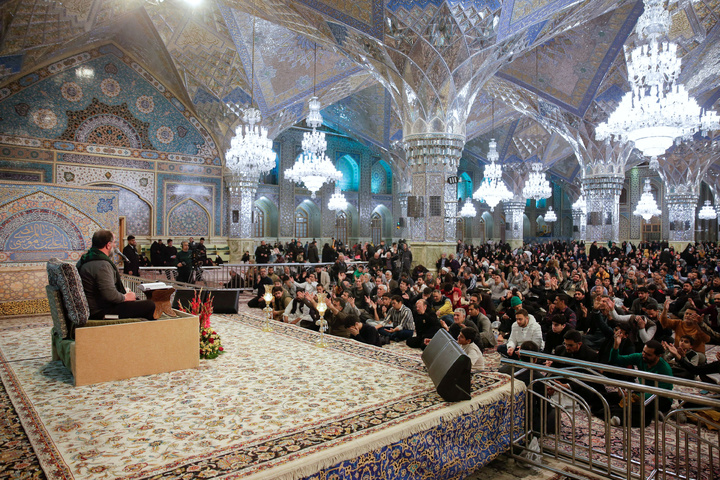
pixel 537 187
pixel 550 216
pixel 707 212
pixel 313 168
pixel 657 111
pixel 492 189
pixel 250 154
pixel 646 207
pixel 468 209
pixel 337 202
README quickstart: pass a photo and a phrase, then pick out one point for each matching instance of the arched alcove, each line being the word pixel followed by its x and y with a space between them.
pixel 270 216
pixel 350 171
pixel 489 225
pixel 307 220
pixel 189 219
pixel 381 178
pixel 465 186
pixel 385 217
pixel 136 210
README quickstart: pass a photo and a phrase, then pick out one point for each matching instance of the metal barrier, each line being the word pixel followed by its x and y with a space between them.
pixel 637 453
pixel 220 276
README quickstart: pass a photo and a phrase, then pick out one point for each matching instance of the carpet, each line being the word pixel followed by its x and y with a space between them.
pixel 273 406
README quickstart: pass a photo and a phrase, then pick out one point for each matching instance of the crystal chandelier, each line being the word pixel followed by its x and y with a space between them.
pixel 657 111
pixel 707 212
pixel 337 201
pixel 250 154
pixel 468 209
pixel 313 168
pixel 550 216
pixel 537 187
pixel 492 189
pixel 646 207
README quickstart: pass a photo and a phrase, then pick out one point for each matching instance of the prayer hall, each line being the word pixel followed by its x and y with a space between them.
pixel 487 147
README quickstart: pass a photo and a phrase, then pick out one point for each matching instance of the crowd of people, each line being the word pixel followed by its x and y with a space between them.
pixel 619 304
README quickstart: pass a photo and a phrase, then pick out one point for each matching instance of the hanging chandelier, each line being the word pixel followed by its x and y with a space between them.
pixel 337 202
pixel 550 216
pixel 492 189
pixel 657 111
pixel 646 207
pixel 468 209
pixel 313 168
pixel 250 154
pixel 707 212
pixel 537 187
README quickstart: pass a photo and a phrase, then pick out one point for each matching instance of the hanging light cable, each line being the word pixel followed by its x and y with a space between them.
pixel 250 154
pixel 313 168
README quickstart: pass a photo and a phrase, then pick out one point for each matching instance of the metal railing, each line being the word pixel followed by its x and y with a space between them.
pixel 576 434
pixel 218 276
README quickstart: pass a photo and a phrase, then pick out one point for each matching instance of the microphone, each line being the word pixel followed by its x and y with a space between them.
pixel 118 252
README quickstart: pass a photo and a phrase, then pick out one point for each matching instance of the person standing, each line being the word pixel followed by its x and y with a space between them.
pixel 132 264
pixel 184 263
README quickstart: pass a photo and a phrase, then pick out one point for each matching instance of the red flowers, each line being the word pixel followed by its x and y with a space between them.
pixel 210 345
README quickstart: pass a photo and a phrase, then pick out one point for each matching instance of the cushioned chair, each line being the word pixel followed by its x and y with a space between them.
pixel 114 349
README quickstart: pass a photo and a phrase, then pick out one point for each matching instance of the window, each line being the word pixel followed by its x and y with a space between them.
pixel 301 223
pixel 435 206
pixel 376 226
pixel 341 227
pixel 258 223
pixel 623 196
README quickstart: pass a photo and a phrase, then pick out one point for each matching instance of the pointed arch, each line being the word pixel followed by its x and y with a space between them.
pixel 381 178
pixel 489 225
pixel 350 170
pixel 137 211
pixel 270 216
pixel 465 186
pixel 188 218
pixel 383 213
pixel 307 220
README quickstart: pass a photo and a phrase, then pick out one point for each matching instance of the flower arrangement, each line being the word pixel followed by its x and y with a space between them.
pixel 210 344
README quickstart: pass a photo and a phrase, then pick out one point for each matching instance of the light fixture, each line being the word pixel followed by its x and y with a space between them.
pixel 268 297
pixel 646 207
pixel 657 110
pixel 707 212
pixel 250 154
pixel 537 187
pixel 550 216
pixel 337 202
pixel 492 189
pixel 313 168
pixel 468 209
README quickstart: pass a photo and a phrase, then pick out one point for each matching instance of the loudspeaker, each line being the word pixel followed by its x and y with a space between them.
pixel 448 366
pixel 225 301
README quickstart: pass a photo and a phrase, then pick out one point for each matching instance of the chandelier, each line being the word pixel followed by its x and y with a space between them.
pixel 250 154
pixel 337 201
pixel 313 168
pixel 550 216
pixel 537 187
pixel 657 111
pixel 468 209
pixel 492 189
pixel 646 207
pixel 707 212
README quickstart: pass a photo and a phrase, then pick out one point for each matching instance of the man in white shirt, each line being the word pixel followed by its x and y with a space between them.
pixel 297 311
pixel 525 328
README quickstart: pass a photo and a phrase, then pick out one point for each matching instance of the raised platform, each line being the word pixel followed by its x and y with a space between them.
pixel 274 406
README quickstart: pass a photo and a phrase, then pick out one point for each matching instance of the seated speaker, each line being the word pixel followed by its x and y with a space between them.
pixel 448 366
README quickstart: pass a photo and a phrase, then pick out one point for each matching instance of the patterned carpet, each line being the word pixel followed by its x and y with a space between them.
pixel 303 409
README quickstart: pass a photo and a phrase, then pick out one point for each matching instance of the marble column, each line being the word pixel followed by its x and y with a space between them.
pixel 681 214
pixel 602 193
pixel 242 192
pixel 514 212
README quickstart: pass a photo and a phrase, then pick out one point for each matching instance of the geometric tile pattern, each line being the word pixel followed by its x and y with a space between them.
pixel 188 219
pixel 140 182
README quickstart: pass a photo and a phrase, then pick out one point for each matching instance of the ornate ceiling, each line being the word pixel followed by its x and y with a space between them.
pixel 537 75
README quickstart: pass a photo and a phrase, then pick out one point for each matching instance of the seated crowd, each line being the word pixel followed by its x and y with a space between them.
pixel 646 306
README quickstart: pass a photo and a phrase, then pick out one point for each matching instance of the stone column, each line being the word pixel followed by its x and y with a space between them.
pixel 580 221
pixel 433 158
pixel 602 193
pixel 681 214
pixel 514 211
pixel 242 192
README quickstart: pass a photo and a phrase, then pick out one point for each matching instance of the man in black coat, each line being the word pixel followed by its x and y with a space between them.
pixel 313 255
pixel 426 325
pixel 262 253
pixel 131 266
pixel 157 253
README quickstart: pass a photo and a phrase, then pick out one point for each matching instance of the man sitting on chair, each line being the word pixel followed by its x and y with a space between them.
pixel 104 290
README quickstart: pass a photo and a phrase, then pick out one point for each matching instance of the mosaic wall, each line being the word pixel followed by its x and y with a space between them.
pixel 175 189
pixel 138 218
pixel 188 219
pixel 38 222
pixel 20 283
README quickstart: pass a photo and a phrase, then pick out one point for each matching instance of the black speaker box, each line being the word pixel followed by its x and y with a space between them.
pixel 225 301
pixel 183 297
pixel 448 366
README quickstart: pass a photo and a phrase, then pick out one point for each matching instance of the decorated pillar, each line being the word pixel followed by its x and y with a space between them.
pixel 681 214
pixel 242 190
pixel 514 212
pixel 602 193
pixel 579 217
